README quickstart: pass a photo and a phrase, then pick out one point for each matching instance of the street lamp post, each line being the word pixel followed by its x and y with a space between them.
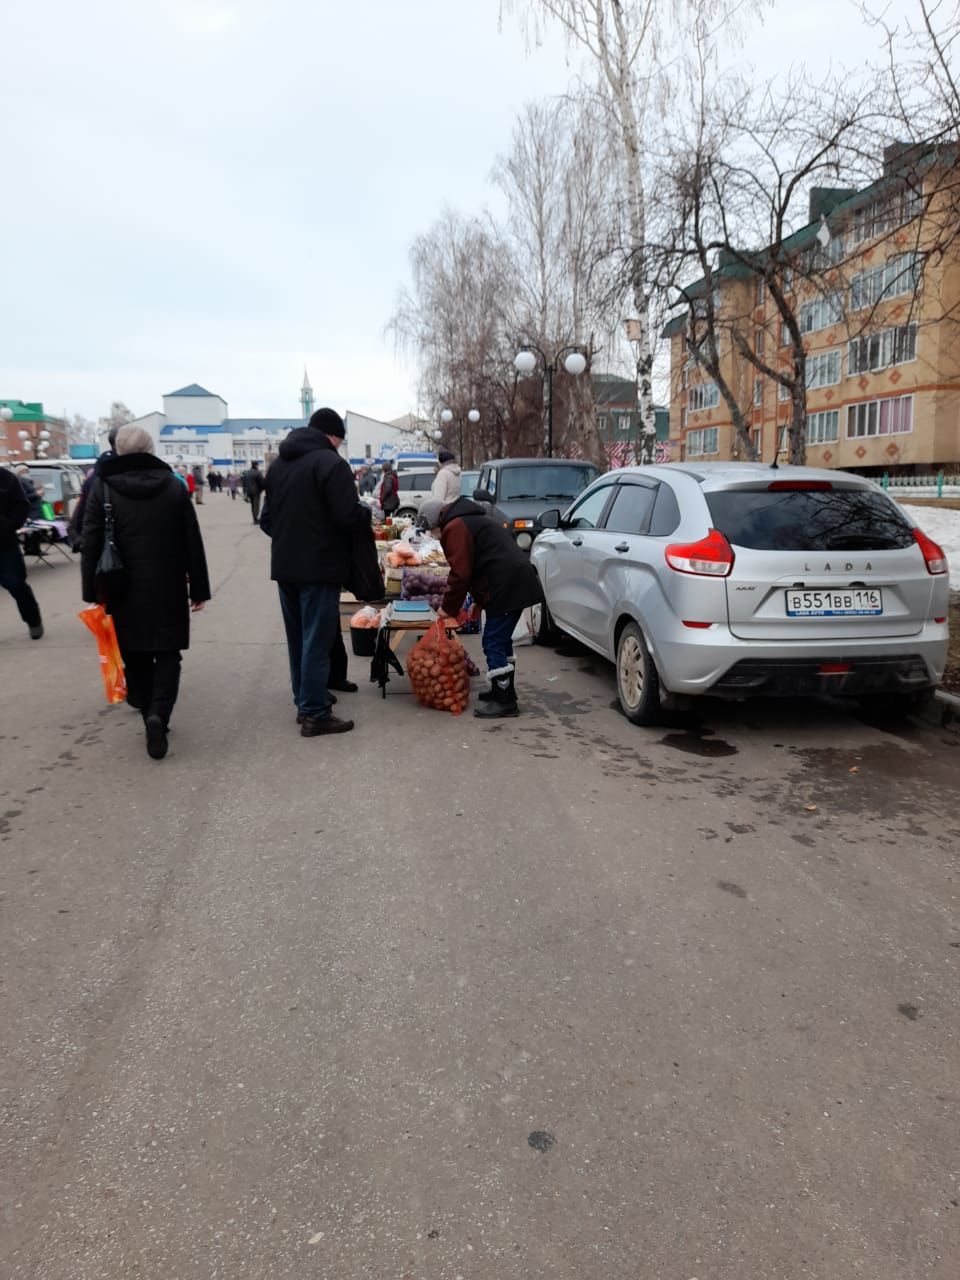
pixel 446 417
pixel 39 441
pixel 575 363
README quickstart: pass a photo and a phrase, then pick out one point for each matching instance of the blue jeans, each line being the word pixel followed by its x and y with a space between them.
pixel 13 576
pixel 311 616
pixel 497 639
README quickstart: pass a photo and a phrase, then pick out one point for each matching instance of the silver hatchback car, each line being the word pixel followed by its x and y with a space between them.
pixel 738 579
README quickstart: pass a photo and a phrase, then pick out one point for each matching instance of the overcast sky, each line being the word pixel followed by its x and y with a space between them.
pixel 224 192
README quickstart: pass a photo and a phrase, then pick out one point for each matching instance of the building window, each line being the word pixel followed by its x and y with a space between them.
pixel 703 441
pixel 757 437
pixel 880 350
pixel 683 418
pixel 783 392
pixel 820 313
pixel 758 341
pixel 757 392
pixel 820 257
pixel 886 213
pixel 892 416
pixel 823 369
pixel 890 280
pixel 703 396
pixel 823 428
pixel 760 295
pixel 601 424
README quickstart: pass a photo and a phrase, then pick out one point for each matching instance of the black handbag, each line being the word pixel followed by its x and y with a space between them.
pixel 111 572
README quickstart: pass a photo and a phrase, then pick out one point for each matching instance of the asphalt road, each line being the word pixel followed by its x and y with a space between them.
pixel 554 997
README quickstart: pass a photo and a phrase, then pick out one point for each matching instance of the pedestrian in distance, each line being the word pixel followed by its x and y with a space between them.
pixel 388 495
pixel 75 530
pixel 13 569
pixel 486 562
pixel 164 574
pixel 367 482
pixel 199 484
pixel 190 481
pixel 446 483
pixel 233 484
pixel 313 516
pixel 253 487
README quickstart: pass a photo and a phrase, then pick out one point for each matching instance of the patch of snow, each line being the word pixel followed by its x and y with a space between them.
pixel 942 524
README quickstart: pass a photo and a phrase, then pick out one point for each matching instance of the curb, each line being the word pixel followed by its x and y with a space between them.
pixel 943 711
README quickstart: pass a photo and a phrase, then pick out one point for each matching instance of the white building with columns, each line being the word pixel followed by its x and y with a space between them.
pixel 195 428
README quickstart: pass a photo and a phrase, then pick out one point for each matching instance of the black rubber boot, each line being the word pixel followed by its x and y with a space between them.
pixel 504 700
pixel 486 695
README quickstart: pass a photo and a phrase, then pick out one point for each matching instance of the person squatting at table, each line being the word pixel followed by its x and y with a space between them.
pixel 485 560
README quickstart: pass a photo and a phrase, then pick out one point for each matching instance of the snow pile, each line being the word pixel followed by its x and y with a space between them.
pixel 942 524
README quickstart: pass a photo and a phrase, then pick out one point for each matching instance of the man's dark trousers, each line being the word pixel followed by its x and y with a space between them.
pixel 255 500
pixel 13 576
pixel 311 616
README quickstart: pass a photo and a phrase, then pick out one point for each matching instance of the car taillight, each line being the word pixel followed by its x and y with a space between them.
pixel 934 557
pixel 711 557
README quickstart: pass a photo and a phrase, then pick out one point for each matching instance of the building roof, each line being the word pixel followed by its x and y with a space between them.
pixel 27 411
pixel 826 203
pixel 194 389
pixel 235 426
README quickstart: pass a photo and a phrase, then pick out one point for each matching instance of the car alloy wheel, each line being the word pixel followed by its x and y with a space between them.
pixel 638 684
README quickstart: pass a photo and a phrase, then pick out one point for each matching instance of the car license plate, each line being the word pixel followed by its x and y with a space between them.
pixel 851 602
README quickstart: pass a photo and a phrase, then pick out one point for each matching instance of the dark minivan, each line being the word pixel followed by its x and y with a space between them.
pixel 517 490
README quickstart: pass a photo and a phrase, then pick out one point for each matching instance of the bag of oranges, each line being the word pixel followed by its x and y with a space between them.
pixel 437 668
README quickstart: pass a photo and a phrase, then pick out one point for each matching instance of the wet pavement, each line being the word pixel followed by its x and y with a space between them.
pixel 550 997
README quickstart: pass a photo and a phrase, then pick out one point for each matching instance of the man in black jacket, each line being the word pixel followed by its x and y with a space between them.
pixel 13 571
pixel 253 487
pixel 312 514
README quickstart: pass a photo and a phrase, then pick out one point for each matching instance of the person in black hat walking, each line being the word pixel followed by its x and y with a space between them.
pixel 312 515
pixel 13 570
pixel 253 487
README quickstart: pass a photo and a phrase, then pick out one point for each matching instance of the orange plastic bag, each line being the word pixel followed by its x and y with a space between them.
pixel 437 668
pixel 111 664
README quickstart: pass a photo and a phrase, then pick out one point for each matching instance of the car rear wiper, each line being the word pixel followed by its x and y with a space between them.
pixel 519 497
pixel 569 496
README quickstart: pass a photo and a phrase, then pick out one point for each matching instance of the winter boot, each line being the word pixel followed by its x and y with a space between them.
pixel 486 695
pixel 504 700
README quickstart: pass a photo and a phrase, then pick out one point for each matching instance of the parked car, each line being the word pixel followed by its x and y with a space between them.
pixel 738 579
pixel 519 489
pixel 414 487
pixel 61 482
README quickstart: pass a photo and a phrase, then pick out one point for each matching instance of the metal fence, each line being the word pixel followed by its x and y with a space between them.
pixel 932 486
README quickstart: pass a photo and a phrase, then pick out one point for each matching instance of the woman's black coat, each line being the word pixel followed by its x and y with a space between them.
pixel 158 540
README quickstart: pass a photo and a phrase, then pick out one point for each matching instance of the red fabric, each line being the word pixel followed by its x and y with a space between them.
pixel 457 543
pixel 191 483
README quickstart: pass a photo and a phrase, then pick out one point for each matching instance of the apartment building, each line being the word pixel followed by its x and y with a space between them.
pixel 874 281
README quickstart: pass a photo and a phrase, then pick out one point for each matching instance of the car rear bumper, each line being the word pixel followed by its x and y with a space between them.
pixel 717 663
pixel 797 677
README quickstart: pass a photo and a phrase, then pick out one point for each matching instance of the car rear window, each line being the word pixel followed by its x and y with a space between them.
pixel 413 480
pixel 805 520
pixel 545 482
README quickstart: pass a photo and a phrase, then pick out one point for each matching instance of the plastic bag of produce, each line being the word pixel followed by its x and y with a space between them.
pixel 366 617
pixel 438 671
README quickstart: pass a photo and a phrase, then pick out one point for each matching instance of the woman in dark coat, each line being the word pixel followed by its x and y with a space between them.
pixel 165 573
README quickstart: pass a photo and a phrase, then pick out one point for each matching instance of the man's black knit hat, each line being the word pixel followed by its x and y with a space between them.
pixel 329 422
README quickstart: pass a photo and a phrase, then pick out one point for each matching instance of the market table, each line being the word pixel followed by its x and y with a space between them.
pixel 397 626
